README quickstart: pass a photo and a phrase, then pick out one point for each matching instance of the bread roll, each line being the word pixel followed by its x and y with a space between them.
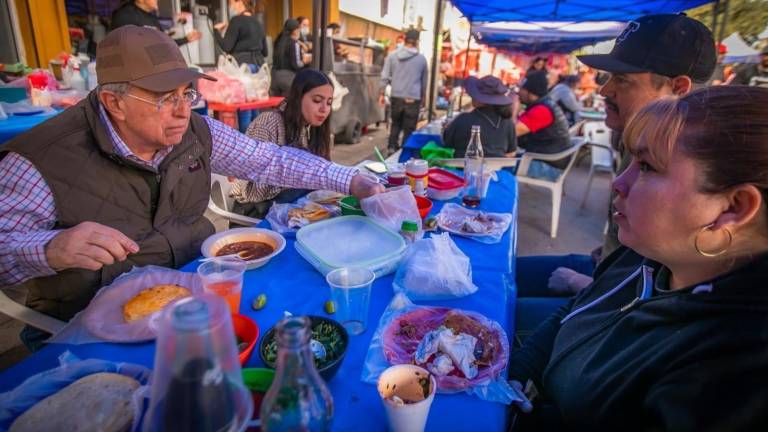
pixel 98 402
pixel 152 300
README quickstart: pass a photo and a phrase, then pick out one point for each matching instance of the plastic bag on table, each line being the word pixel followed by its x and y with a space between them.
pixel 103 321
pixel 484 227
pixel 261 81
pixel 392 207
pixel 404 325
pixel 38 387
pixel 434 268
pixel 285 221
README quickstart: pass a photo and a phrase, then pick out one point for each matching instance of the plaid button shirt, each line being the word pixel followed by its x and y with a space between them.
pixel 28 211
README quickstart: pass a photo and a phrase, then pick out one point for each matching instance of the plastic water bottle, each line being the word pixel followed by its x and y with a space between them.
pixel 473 170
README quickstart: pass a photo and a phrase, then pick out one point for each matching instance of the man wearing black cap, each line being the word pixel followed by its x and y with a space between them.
pixel 753 74
pixel 655 56
pixel 406 71
pixel 542 127
pixel 122 179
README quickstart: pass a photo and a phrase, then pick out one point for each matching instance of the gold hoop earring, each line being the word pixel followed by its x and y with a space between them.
pixel 716 253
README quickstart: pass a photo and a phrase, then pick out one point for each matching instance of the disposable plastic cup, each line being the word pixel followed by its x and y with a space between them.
pixel 224 277
pixel 351 293
pixel 399 385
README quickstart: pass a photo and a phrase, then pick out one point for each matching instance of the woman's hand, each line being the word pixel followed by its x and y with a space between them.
pixel 521 402
pixel 220 26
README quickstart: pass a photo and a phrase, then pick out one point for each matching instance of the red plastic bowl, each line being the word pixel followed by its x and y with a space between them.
pixel 247 330
pixel 424 204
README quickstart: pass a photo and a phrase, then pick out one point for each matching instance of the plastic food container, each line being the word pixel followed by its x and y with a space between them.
pixel 444 185
pixel 350 241
pixel 424 204
pixel 217 241
pixel 350 206
pixel 248 332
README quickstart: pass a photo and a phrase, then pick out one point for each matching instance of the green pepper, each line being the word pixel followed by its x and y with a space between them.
pixel 260 302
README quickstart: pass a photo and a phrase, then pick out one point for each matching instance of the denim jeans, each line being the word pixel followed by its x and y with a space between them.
pixel 535 300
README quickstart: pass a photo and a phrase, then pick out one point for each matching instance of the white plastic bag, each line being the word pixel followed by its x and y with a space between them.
pixel 339 91
pixel 484 227
pixel 256 84
pixel 103 319
pixel 433 269
pixel 392 207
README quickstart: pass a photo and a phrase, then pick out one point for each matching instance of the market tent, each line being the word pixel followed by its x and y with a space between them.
pixel 572 10
pixel 546 36
pixel 739 51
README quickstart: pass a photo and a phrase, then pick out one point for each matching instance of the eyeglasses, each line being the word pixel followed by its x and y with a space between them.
pixel 189 97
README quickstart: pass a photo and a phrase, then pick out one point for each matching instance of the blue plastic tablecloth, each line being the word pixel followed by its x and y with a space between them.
pixel 291 284
pixel 15 125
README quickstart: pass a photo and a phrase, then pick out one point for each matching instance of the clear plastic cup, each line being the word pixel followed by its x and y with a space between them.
pixel 197 383
pixel 224 277
pixel 351 293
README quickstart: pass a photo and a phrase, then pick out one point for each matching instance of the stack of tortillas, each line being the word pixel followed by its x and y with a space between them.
pixel 98 402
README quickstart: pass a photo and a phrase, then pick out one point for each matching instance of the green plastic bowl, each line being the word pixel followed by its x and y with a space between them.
pixel 258 379
pixel 350 206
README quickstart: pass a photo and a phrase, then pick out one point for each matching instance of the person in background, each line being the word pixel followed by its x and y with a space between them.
pixel 305 39
pixel 538 64
pixel 542 127
pixel 492 102
pixel 333 29
pixel 640 73
pixel 405 70
pixel 676 318
pixel 245 39
pixel 753 74
pixel 286 58
pixel 142 13
pixel 122 179
pixel 718 76
pixel 340 51
pixel 564 95
pixel 302 121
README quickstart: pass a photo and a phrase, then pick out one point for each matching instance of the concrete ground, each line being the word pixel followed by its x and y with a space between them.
pixel 581 229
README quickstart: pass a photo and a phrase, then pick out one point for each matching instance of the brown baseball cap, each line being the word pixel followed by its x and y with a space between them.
pixel 144 57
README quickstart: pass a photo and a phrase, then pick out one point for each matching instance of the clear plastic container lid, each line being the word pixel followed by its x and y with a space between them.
pixel 350 241
pixel 444 180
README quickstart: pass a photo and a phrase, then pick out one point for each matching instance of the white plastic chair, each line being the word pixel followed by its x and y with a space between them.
pixel 598 136
pixel 29 316
pixel 555 187
pixel 220 203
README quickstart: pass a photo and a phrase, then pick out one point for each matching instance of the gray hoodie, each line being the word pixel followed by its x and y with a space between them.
pixel 406 70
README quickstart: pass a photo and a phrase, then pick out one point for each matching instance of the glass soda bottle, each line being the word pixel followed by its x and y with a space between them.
pixel 473 170
pixel 298 399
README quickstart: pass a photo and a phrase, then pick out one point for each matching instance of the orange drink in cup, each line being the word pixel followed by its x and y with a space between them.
pixel 224 277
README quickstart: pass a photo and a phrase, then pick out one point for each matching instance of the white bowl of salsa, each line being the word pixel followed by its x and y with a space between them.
pixel 256 245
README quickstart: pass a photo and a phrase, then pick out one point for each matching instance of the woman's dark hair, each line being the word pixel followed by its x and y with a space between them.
pixel 284 37
pixel 319 140
pixel 250 6
pixel 723 128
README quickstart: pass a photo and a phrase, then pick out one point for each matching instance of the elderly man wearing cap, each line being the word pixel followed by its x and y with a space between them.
pixel 654 57
pixel 492 102
pixel 753 74
pixel 123 178
pixel 406 71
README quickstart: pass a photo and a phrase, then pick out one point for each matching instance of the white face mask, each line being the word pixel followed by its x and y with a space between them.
pixel 304 31
pixel 399 45
pixel 233 12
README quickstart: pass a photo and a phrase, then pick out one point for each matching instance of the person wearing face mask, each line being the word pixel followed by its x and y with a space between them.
pixel 244 39
pixel 143 13
pixel 302 121
pixel 654 57
pixel 305 39
pixel 286 59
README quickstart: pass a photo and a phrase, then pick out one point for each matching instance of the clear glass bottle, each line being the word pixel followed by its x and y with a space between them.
pixel 298 399
pixel 473 170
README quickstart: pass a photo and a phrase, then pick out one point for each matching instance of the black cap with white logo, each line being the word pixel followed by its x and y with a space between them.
pixel 666 44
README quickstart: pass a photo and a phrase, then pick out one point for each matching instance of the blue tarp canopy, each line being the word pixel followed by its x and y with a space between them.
pixel 478 11
pixel 545 36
